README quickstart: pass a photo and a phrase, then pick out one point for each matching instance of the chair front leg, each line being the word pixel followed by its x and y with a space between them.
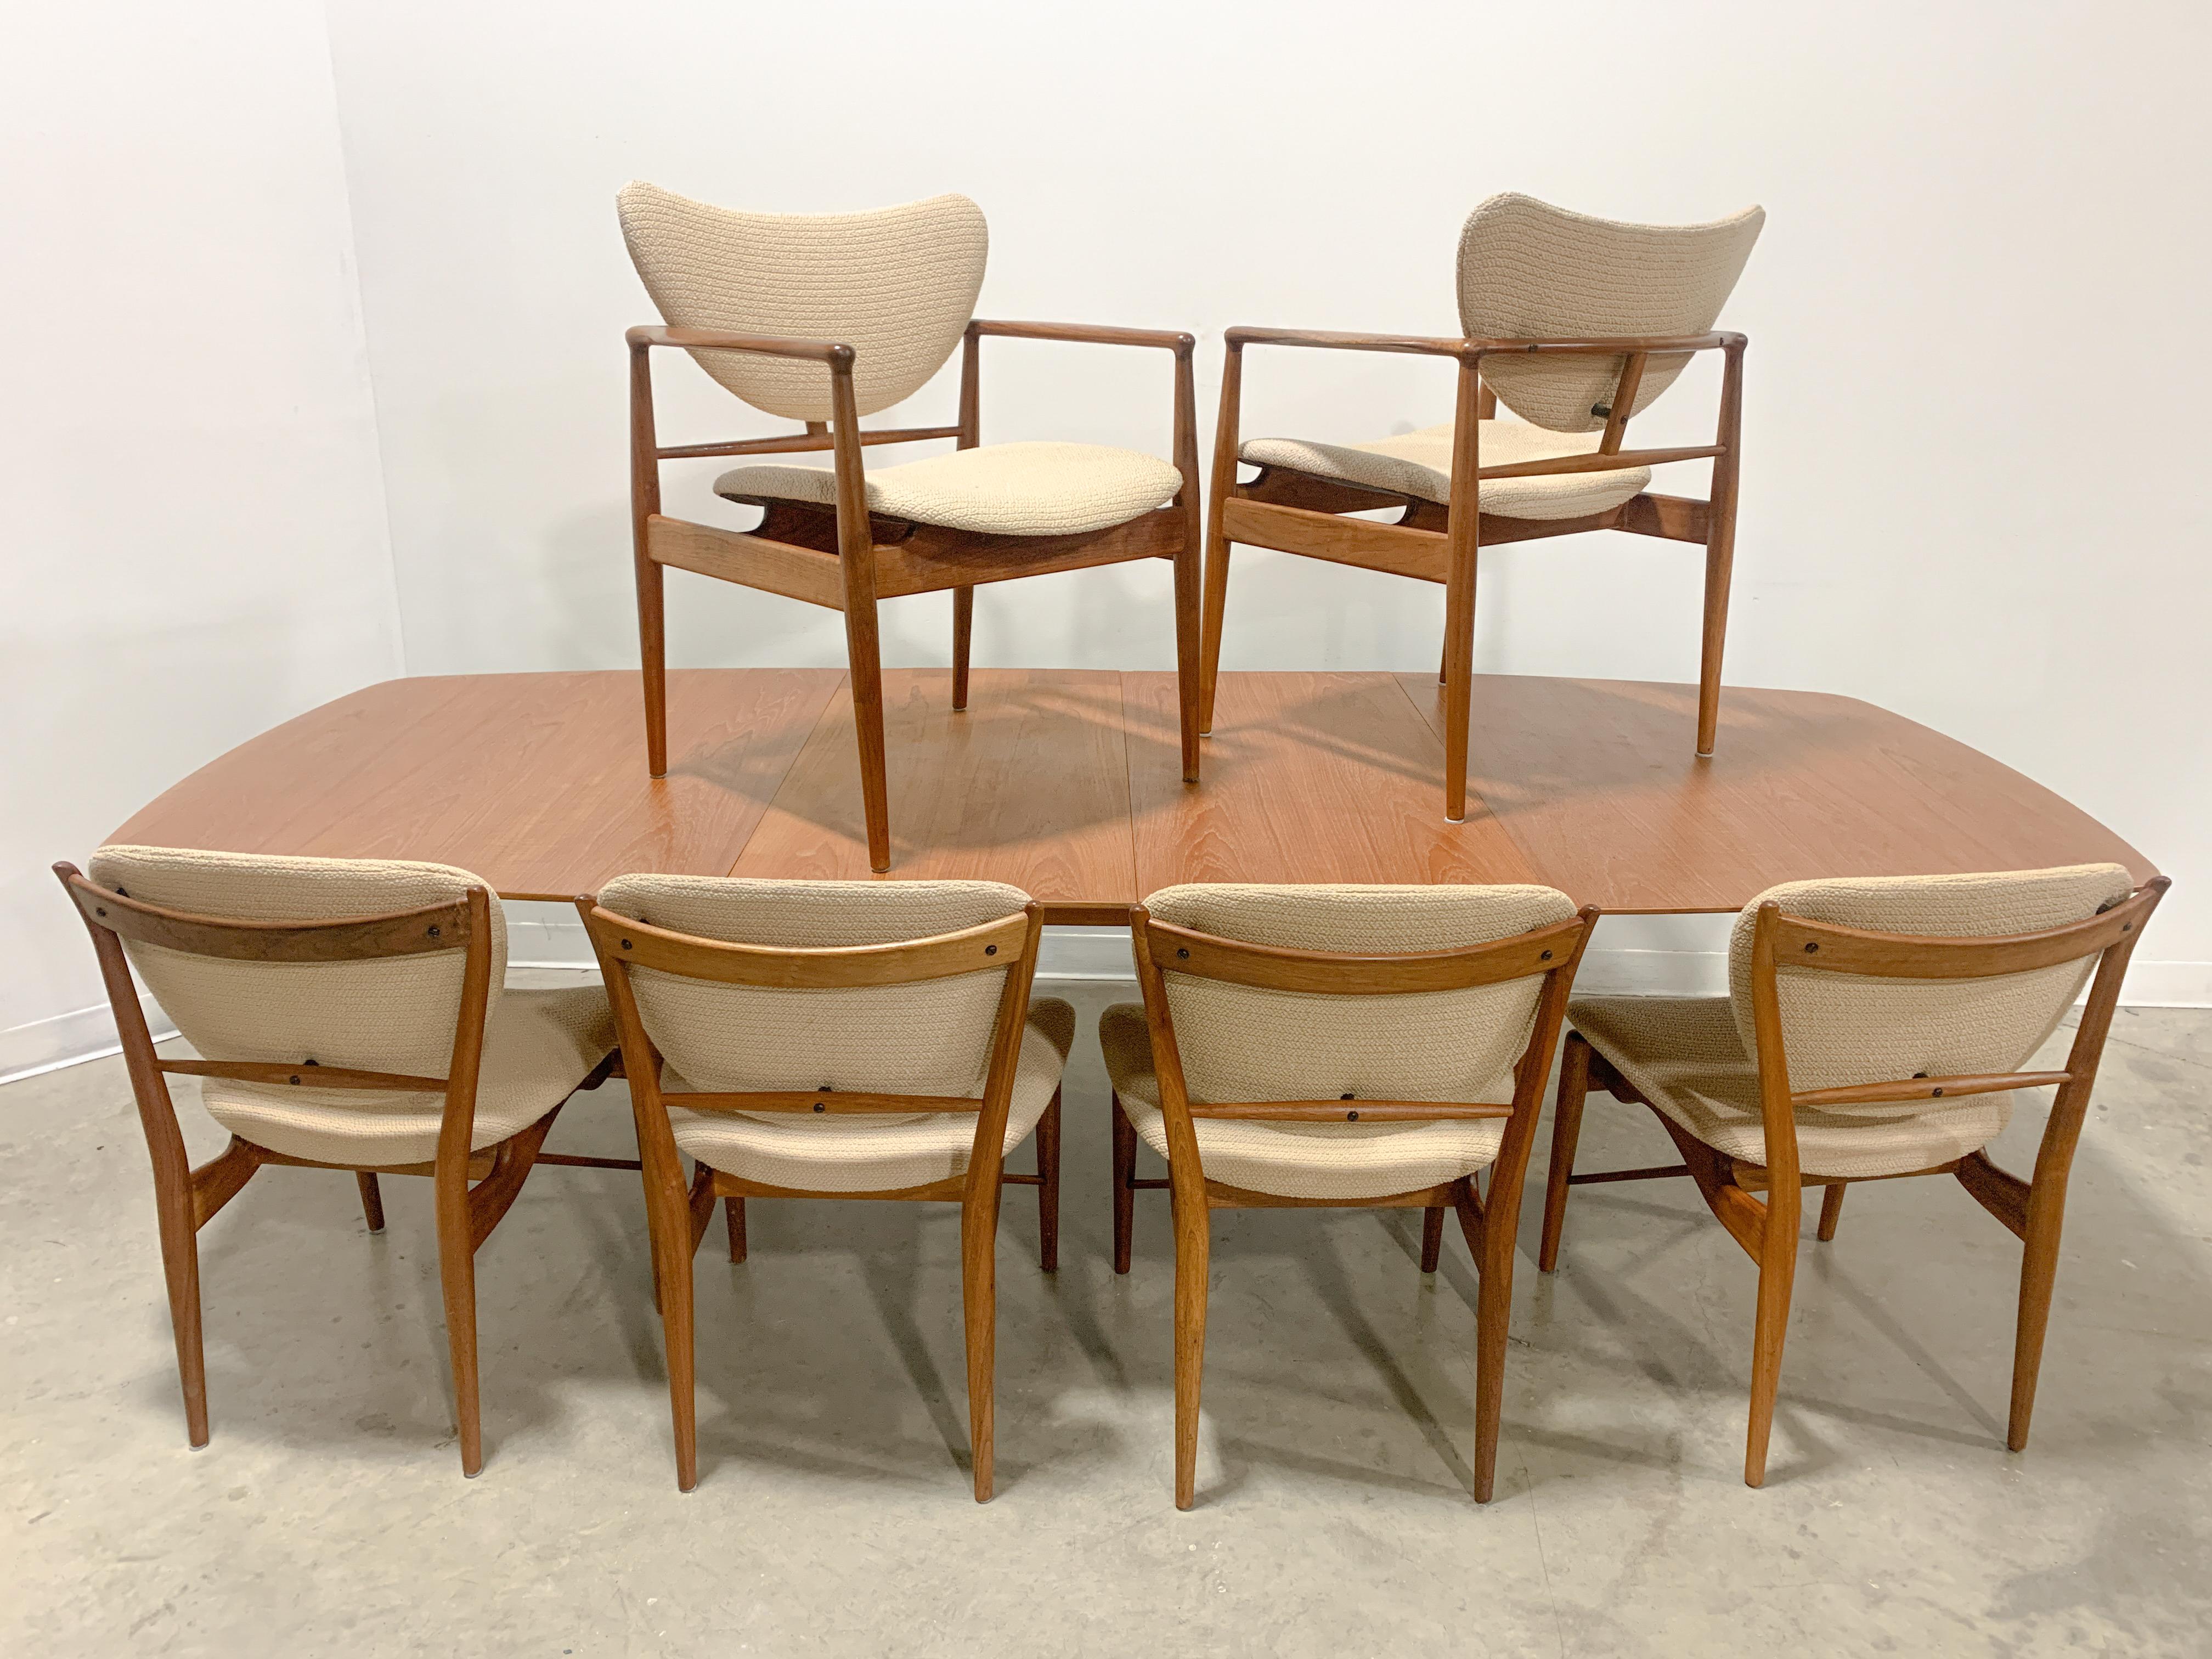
pixel 1463 534
pixel 645 501
pixel 1720 549
pixel 371 1200
pixel 733 1221
pixel 1832 1210
pixel 1048 1157
pixel 1216 535
pixel 963 629
pixel 1432 1238
pixel 1566 1134
pixel 1190 696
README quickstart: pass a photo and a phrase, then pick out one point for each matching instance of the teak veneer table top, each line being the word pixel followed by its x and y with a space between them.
pixel 1067 783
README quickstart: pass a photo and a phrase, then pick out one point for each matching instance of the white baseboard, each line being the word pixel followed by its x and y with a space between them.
pixel 1635 956
pixel 48 1045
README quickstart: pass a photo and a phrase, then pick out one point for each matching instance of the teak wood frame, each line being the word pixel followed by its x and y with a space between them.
pixel 678 1212
pixel 2032 1210
pixel 844 558
pixel 1488 1220
pixel 186 1198
pixel 1296 512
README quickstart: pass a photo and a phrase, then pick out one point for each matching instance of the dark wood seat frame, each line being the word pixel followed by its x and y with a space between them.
pixel 844 558
pixel 186 1198
pixel 2032 1210
pixel 1299 513
pixel 1488 1219
pixel 678 1212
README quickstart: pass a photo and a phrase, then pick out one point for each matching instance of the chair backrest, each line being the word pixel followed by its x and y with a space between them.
pixel 208 934
pixel 1528 271
pixel 1843 1030
pixel 919 1036
pixel 897 285
pixel 1240 1042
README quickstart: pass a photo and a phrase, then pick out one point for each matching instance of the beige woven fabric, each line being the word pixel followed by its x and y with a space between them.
pixel 1001 490
pixel 1419 463
pixel 1241 1043
pixel 1683 1055
pixel 932 1038
pixel 395 1015
pixel 874 1154
pixel 898 285
pixel 1528 271
pixel 1840 1029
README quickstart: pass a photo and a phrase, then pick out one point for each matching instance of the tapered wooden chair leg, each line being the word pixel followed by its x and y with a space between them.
pixel 456 1273
pixel 1832 1210
pixel 1189 694
pixel 867 683
pixel 1125 1196
pixel 1719 562
pixel 964 627
pixel 1493 1313
pixel 1777 1270
pixel 1216 606
pixel 1459 690
pixel 1443 665
pixel 734 1218
pixel 1566 1134
pixel 652 657
pixel 1047 1157
pixel 371 1200
pixel 1193 1251
pixel 979 1285
pixel 677 1318
pixel 181 1267
pixel 2038 1276
pixel 1432 1238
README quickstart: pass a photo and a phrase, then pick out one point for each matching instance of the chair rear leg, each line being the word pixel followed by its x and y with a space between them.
pixel 1190 696
pixel 1459 691
pixel 979 1286
pixel 1832 1210
pixel 1777 1268
pixel 1432 1238
pixel 181 1268
pixel 964 626
pixel 1493 1311
pixel 1720 564
pixel 1193 1251
pixel 457 1275
pixel 372 1199
pixel 1216 606
pixel 677 1318
pixel 2038 1275
pixel 1125 1196
pixel 1566 1134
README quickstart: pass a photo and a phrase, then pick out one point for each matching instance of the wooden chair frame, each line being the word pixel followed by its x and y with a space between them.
pixel 678 1212
pixel 2032 1210
pixel 844 558
pixel 1488 1221
pixel 185 1198
pixel 1296 512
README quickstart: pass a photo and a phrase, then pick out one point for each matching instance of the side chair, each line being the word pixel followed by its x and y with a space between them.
pixel 1875 1028
pixel 348 1015
pixel 835 1040
pixel 1340 1047
pixel 1575 325
pixel 825 318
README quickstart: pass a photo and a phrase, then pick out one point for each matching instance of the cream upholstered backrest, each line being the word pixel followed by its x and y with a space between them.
pixel 929 1038
pixel 395 1014
pixel 1241 1042
pixel 1841 1030
pixel 1528 271
pixel 898 285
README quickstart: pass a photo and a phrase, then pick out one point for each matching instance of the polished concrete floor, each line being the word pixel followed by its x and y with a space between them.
pixel 329 1516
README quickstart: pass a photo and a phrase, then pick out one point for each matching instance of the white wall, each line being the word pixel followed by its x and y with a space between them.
pixel 194 539
pixel 1973 488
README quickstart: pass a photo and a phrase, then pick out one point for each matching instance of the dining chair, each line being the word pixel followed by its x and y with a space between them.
pixel 1339 1047
pixel 834 1040
pixel 825 318
pixel 1574 324
pixel 347 1014
pixel 1876 1027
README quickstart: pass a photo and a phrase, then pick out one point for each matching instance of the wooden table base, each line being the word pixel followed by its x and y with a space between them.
pixel 1067 783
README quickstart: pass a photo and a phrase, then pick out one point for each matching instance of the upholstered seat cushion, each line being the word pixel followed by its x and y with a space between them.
pixel 1000 489
pixel 1302 1160
pixel 858 1154
pixel 539 1046
pixel 1684 1055
pixel 1419 464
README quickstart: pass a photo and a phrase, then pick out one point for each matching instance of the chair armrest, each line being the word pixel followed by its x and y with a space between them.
pixel 1085 334
pixel 1335 340
pixel 714 339
pixel 1626 346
